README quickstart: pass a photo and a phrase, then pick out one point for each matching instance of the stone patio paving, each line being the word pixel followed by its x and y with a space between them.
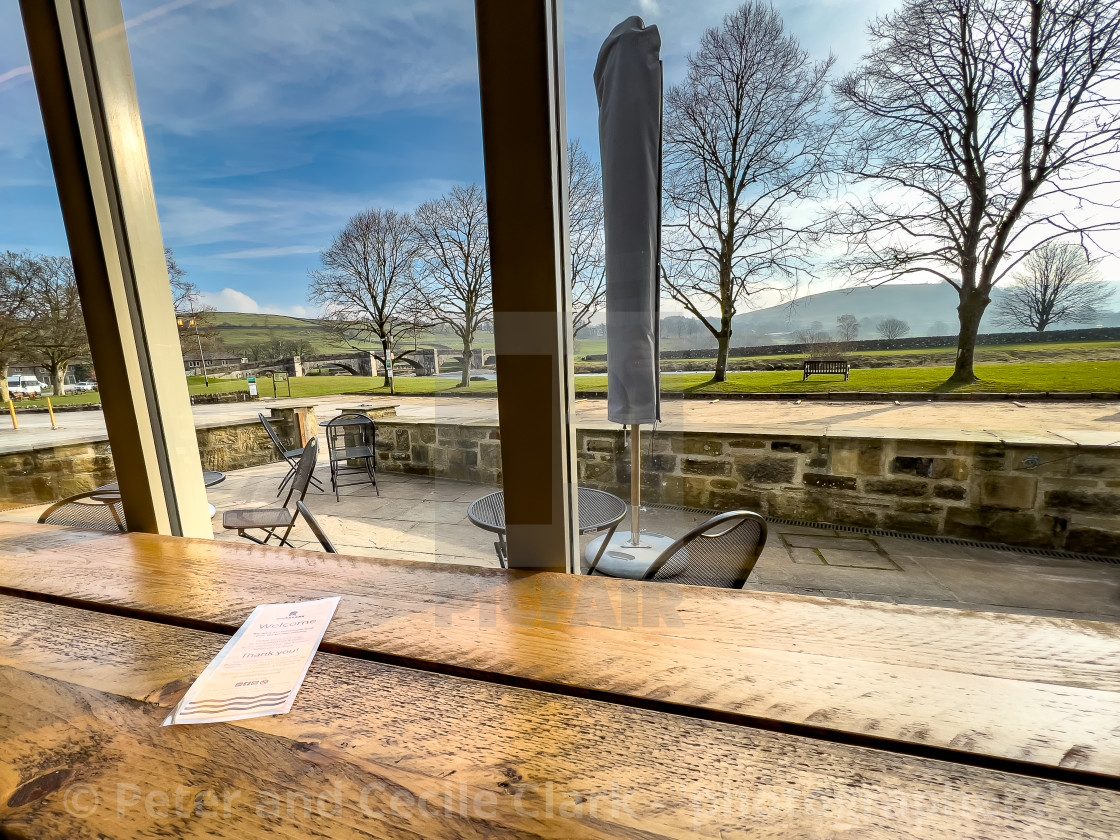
pixel 425 519
pixel 418 518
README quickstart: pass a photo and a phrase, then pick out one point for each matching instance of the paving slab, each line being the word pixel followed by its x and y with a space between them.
pixel 1091 437
pixel 424 519
pixel 1091 588
pixel 859 559
pixel 827 541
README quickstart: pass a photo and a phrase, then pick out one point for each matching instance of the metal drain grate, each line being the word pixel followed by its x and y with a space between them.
pixel 878 532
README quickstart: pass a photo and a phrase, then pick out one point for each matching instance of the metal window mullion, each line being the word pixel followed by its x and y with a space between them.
pixel 104 183
pixel 521 80
pixel 137 324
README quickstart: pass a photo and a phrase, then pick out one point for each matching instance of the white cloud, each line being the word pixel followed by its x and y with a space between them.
pixel 289 62
pixel 231 300
pixel 15 73
pixel 261 224
pixel 269 251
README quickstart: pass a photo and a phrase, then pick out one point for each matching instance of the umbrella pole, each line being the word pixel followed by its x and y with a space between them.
pixel 635 484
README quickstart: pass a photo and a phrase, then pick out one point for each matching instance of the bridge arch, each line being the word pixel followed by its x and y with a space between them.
pixel 352 370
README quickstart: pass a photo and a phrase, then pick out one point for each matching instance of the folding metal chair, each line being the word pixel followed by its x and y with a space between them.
pixel 352 437
pixel 721 552
pixel 316 528
pixel 289 455
pixel 272 520
pixel 103 511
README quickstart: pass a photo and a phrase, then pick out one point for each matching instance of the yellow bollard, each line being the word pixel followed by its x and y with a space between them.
pixel 50 410
pixel 12 409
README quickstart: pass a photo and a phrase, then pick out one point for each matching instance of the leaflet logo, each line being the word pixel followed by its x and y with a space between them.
pixel 293 614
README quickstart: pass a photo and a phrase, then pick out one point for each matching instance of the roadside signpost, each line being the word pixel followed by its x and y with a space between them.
pixel 252 386
pixel 280 377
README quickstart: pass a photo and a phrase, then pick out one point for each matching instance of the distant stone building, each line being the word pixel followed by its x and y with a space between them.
pixel 193 364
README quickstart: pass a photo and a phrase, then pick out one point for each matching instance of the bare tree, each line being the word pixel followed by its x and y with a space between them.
pixel 585 223
pixel 893 328
pixel 191 306
pixel 978 130
pixel 847 328
pixel 745 143
pixel 186 295
pixel 1058 283
pixel 818 343
pixel 454 267
pixel 57 334
pixel 366 285
pixel 18 273
pixel 939 328
pixel 275 348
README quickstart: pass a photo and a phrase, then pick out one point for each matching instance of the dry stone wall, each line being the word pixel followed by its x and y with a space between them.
pixel 1065 497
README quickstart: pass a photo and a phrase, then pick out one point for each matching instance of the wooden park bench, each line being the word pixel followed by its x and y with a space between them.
pixel 834 366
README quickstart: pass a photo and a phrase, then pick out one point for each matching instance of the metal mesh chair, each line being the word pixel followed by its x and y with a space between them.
pixel 103 512
pixel 721 552
pixel 272 520
pixel 289 455
pixel 352 437
pixel 316 528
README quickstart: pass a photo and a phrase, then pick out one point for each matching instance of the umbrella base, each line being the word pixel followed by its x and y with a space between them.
pixel 623 560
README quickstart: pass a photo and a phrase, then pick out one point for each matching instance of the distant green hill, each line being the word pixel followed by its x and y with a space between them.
pixel 241 330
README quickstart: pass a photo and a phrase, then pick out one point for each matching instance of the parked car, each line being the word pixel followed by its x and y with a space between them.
pixel 83 387
pixel 24 387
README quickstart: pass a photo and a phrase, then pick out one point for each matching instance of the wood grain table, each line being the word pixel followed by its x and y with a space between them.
pixel 1030 695
pixel 374 750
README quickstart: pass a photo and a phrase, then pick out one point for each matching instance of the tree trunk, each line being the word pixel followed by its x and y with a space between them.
pixel 4 395
pixel 466 381
pixel 58 377
pixel 970 312
pixel 724 343
pixel 387 358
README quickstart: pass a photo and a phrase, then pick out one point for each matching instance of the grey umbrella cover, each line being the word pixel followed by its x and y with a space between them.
pixel 628 83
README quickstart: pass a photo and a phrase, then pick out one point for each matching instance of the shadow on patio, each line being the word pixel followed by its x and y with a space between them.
pixel 420 518
pixel 425 519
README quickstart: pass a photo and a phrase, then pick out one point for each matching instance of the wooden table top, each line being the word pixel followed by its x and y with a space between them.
pixel 1031 694
pixel 374 750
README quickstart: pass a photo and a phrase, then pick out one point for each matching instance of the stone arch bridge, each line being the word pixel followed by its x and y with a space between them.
pixel 424 362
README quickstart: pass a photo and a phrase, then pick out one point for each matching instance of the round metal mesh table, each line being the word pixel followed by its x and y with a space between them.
pixel 209 479
pixel 598 511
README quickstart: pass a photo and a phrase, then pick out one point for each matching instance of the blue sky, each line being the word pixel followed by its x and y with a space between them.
pixel 270 122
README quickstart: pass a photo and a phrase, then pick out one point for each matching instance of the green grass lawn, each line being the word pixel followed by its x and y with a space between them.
pixel 240 329
pixel 1068 376
pixel 325 386
pixel 1057 351
pixel 68 399
pixel 1059 376
pixel 598 346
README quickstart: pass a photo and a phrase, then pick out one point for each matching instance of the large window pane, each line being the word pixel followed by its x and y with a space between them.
pixel 312 181
pixel 44 352
pixel 809 325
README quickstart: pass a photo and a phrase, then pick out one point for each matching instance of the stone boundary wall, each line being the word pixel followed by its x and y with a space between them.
pixel 227 397
pixel 1045 496
pixel 913 343
pixel 1057 497
pixel 49 473
pixel 450 450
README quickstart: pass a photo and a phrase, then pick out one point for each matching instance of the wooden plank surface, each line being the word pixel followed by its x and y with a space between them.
pixel 1043 692
pixel 374 750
